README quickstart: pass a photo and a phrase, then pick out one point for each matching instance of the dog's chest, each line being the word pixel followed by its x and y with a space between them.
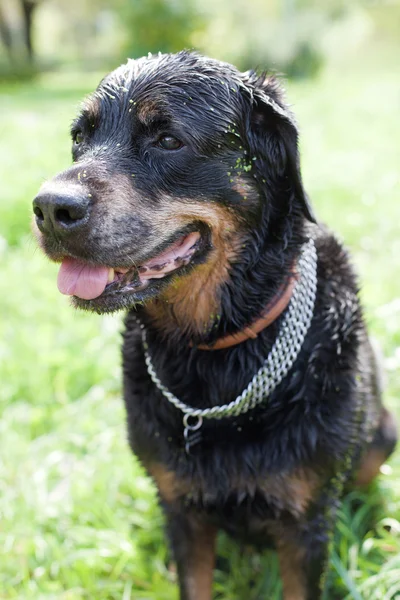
pixel 236 500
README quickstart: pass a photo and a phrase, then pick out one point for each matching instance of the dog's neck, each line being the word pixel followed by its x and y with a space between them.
pixel 272 311
pixel 231 290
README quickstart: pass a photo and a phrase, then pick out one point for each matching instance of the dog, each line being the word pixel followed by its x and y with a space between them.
pixel 251 388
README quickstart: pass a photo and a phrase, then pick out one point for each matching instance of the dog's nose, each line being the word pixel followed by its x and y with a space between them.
pixel 60 212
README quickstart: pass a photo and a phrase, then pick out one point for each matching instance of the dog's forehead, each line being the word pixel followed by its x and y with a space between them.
pixel 177 70
pixel 167 85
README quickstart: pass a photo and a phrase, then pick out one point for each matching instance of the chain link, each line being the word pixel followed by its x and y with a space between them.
pixel 282 356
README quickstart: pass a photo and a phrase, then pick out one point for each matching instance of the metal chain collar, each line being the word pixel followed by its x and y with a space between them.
pixel 293 329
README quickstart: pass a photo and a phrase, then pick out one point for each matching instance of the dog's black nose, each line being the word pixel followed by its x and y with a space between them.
pixel 60 212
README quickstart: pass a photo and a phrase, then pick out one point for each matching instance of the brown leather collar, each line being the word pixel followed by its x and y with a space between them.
pixel 271 312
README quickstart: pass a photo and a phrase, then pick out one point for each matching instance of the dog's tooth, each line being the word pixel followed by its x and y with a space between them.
pixel 111 275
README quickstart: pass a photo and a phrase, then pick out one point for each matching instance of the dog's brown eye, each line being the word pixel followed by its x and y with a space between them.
pixel 78 137
pixel 168 142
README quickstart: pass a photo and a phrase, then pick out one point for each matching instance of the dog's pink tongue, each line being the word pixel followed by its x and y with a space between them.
pixel 78 279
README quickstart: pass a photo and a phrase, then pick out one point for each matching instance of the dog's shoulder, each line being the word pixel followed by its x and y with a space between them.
pixel 338 310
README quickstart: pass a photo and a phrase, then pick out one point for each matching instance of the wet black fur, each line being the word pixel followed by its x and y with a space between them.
pixel 325 412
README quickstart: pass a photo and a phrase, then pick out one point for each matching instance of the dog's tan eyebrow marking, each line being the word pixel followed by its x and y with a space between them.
pixel 89 115
pixel 149 111
pixel 90 111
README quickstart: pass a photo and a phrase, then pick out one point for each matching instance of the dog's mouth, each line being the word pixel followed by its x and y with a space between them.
pixel 92 283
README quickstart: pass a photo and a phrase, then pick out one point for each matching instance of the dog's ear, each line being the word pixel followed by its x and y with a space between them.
pixel 272 134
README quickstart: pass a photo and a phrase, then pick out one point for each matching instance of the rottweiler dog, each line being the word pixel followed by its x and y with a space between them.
pixel 252 391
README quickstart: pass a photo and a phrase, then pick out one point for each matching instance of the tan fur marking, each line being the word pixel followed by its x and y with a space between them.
pixel 302 487
pixel 294 490
pixel 375 456
pixel 246 190
pixel 370 465
pixel 192 302
pixel 200 572
pixel 169 486
pixel 147 109
pixel 291 565
pixel 92 106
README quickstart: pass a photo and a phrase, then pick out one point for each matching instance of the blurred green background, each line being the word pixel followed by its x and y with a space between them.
pixel 78 517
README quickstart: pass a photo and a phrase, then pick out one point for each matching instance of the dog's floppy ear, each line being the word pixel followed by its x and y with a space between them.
pixel 272 134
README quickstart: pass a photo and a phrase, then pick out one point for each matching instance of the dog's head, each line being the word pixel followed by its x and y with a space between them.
pixel 176 157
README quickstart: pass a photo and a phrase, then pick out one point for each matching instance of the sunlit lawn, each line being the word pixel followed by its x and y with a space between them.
pixel 78 517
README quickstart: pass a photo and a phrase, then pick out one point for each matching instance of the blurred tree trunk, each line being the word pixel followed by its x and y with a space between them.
pixel 28 8
pixel 5 35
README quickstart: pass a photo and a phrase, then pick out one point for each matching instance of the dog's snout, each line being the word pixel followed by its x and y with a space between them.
pixel 60 212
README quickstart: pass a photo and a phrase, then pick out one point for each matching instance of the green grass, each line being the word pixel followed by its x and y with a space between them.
pixel 78 517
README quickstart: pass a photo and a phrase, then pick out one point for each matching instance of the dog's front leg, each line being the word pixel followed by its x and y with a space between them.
pixel 303 549
pixel 193 545
pixel 302 570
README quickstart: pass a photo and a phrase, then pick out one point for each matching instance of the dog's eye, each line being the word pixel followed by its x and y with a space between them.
pixel 169 142
pixel 78 137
